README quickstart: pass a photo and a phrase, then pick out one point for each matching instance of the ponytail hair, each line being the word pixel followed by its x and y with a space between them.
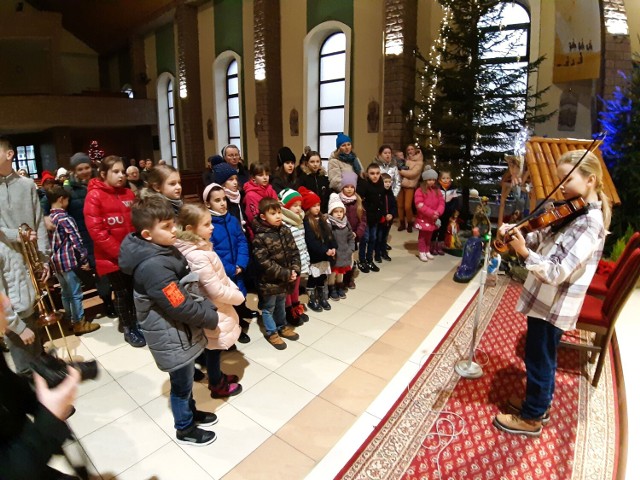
pixel 590 165
pixel 191 214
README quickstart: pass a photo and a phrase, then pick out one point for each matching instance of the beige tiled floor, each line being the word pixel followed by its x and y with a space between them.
pixel 303 411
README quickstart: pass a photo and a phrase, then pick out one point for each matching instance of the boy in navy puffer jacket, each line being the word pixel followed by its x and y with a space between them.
pixel 171 319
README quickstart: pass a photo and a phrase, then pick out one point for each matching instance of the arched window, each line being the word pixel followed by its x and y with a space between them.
pixel 331 93
pixel 227 87
pixel 233 103
pixel 327 74
pixel 167 119
pixel 508 26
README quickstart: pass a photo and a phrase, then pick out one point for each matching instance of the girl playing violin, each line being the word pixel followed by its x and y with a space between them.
pixel 561 263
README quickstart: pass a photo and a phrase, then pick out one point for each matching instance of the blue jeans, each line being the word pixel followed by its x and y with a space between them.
pixel 182 403
pixel 368 243
pixel 273 313
pixel 71 287
pixel 541 360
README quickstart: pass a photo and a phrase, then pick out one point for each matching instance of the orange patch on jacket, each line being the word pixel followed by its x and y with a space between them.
pixel 173 294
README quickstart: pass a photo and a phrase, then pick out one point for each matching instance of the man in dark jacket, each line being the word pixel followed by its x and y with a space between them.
pixel 372 192
pixel 276 254
pixel 171 319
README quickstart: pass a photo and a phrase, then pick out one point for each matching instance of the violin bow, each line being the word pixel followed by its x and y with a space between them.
pixel 598 139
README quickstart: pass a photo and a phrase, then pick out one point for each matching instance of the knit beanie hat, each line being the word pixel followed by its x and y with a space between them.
pixel 222 172
pixel 335 202
pixel 288 197
pixel 342 138
pixel 207 191
pixel 348 178
pixel 430 174
pixel 47 175
pixel 285 155
pixel 309 198
pixel 78 159
pixel 61 172
pixel 215 159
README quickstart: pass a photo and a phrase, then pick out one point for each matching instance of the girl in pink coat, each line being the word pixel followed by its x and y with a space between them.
pixel 256 189
pixel 193 242
pixel 429 206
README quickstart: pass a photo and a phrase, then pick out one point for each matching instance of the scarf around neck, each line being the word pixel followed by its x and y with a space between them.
pixel 232 196
pixel 345 199
pixel 216 214
pixel 177 204
pixel 350 158
pixel 338 223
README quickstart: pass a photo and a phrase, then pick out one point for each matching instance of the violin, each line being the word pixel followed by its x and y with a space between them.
pixel 549 218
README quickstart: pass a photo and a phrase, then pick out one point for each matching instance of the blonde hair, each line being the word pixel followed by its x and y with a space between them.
pixel 191 214
pixel 590 165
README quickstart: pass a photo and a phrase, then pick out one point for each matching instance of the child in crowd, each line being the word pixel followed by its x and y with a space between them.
pixel 194 243
pixel 314 178
pixel 388 166
pixel 165 180
pixel 278 261
pixel 355 215
pixel 292 216
pixel 372 192
pixel 107 215
pixel 429 207
pixel 230 244
pixel 68 255
pixel 451 204
pixel 561 261
pixel 322 250
pixel 342 159
pixel 256 189
pixel 345 245
pixel 227 177
pixel 285 175
pixel 171 319
pixel 390 211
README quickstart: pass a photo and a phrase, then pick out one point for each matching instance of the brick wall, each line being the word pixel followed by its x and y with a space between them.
pixel 267 124
pixel 616 48
pixel 399 72
pixel 191 141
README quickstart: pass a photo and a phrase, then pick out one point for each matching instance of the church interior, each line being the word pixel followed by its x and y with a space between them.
pixel 178 80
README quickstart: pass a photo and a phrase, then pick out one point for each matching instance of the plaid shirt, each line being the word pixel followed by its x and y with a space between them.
pixel 68 251
pixel 561 269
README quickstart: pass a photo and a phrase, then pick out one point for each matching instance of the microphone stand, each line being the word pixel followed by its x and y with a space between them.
pixel 468 368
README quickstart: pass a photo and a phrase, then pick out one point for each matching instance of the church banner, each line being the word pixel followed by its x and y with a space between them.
pixel 577 42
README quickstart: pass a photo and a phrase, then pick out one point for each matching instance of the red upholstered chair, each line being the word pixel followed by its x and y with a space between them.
pixel 600 315
pixel 602 282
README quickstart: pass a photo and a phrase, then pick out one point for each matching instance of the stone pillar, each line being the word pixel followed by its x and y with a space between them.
pixel 190 136
pixel 268 121
pixel 139 77
pixel 616 50
pixel 399 71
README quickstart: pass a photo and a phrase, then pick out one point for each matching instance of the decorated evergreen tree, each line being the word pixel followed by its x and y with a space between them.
pixel 474 102
pixel 621 149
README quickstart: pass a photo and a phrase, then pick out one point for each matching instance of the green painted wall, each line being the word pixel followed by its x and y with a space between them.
pixel 227 16
pixel 319 11
pixel 165 50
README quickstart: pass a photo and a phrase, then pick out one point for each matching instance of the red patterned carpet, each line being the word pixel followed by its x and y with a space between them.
pixel 441 427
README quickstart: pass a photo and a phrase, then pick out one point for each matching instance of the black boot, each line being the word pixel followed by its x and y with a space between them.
pixel 313 303
pixel 333 293
pixel 291 318
pixel 323 295
pixel 342 290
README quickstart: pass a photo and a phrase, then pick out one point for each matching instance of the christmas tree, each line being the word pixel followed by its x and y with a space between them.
pixel 621 149
pixel 95 152
pixel 475 101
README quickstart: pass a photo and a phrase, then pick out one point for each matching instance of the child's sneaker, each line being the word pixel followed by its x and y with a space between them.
pixel 224 388
pixel 289 333
pixel 275 340
pixel 231 378
pixel 195 436
pixel 430 256
pixel 134 337
pixel 205 419
pixel 423 257
pixel 333 293
pixel 342 293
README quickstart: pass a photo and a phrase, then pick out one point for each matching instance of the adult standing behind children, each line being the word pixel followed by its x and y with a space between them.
pixel 81 173
pixel 410 179
pixel 231 155
pixel 171 318
pixel 20 204
pixel 342 159
pixel 107 214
